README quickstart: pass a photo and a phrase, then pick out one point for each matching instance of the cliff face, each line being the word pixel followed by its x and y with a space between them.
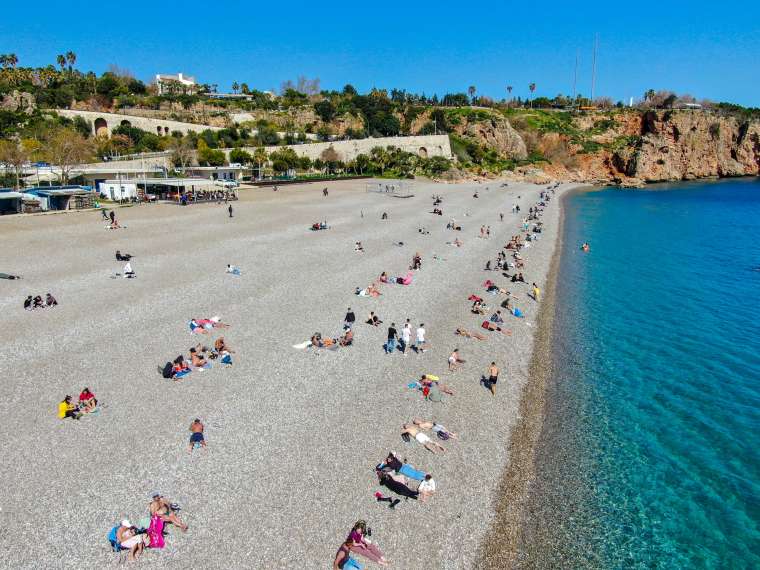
pixel 686 145
pixel 631 147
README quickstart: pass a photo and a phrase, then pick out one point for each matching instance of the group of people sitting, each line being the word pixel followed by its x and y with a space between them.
pixel 68 409
pixel 199 359
pixel 149 532
pixel 345 339
pixel 38 302
pixel 316 226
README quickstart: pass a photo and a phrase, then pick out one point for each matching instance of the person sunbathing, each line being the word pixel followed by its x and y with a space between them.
pixel 413 431
pixel 489 326
pixel 435 427
pixel 373 291
pixel 397 483
pixel 383 277
pixel 161 507
pixel 496 318
pixel 87 401
pixel 467 334
pixel 478 308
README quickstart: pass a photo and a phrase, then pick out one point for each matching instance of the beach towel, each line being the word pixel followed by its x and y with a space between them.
pixel 156 532
pixel 409 471
pixel 302 345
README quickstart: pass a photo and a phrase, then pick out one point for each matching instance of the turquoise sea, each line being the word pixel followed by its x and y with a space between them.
pixel 650 456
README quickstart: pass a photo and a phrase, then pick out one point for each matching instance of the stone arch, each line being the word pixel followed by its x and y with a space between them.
pixel 126 123
pixel 422 151
pixel 101 127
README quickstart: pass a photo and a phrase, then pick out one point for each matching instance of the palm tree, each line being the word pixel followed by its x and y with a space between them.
pixel 61 60
pixel 12 59
pixel 509 89
pixel 235 86
pixel 471 90
pixel 532 88
pixel 244 88
pixel 71 57
pixel 4 60
pixel 649 95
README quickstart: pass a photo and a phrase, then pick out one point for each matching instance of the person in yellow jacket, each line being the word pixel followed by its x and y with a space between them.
pixel 68 410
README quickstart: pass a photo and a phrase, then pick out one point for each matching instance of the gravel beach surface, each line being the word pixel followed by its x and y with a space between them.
pixel 293 435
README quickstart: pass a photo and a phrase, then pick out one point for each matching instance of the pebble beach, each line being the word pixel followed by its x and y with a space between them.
pixel 293 435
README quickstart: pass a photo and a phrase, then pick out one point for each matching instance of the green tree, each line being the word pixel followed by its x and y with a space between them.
pixel 71 59
pixel 240 156
pixel 67 149
pixel 61 60
pixel 325 109
pixel 471 91
pixel 15 156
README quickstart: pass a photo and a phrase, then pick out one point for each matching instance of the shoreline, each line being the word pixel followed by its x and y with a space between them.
pixel 514 489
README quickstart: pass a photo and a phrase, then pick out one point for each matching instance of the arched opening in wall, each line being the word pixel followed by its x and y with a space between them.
pixel 126 123
pixel 422 152
pixel 101 127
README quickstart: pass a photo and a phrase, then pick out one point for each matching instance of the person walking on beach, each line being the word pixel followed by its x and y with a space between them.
pixel 196 436
pixel 420 343
pixel 536 292
pixel 501 216
pixel 406 336
pixel 392 337
pixel 493 377
pixel 229 209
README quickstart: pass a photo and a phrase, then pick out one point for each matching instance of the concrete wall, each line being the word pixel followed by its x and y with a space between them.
pixel 428 146
pixel 105 123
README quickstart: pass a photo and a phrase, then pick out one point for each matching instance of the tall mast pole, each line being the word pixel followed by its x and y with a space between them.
pixel 593 69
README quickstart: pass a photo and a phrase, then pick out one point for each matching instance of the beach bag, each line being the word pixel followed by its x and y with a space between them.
pixel 443 435
pixel 166 371
pixel 485 325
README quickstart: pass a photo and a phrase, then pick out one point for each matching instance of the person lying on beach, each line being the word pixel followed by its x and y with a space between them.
pixel 374 320
pixel 358 247
pixel 423 231
pixel 393 463
pixel 87 401
pixel 426 489
pixel 383 277
pixel 518 313
pixel 397 483
pixel 9 276
pixel 347 338
pixel 455 362
pixel 496 318
pixel 196 435
pixel 442 432
pixel 363 547
pixel 50 301
pixel 318 342
pixel 430 381
pixel 411 431
pixel 455 243
pixel 232 269
pixel 68 410
pixel 123 256
pixel 536 292
pixel 467 334
pixel 166 510
pixel 373 291
pixel 489 326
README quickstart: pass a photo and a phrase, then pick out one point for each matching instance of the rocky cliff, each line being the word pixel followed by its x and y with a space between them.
pixel 627 147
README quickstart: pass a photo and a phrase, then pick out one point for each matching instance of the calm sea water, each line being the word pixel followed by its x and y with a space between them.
pixel 651 453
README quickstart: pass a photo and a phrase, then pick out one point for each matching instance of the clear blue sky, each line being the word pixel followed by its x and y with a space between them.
pixel 708 49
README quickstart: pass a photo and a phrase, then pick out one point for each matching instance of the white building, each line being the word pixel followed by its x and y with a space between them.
pixel 167 84
pixel 117 190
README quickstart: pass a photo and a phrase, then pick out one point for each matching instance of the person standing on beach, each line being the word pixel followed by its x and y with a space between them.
pixel 501 217
pixel 420 344
pixel 392 336
pixel 349 319
pixel 229 209
pixel 493 377
pixel 536 292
